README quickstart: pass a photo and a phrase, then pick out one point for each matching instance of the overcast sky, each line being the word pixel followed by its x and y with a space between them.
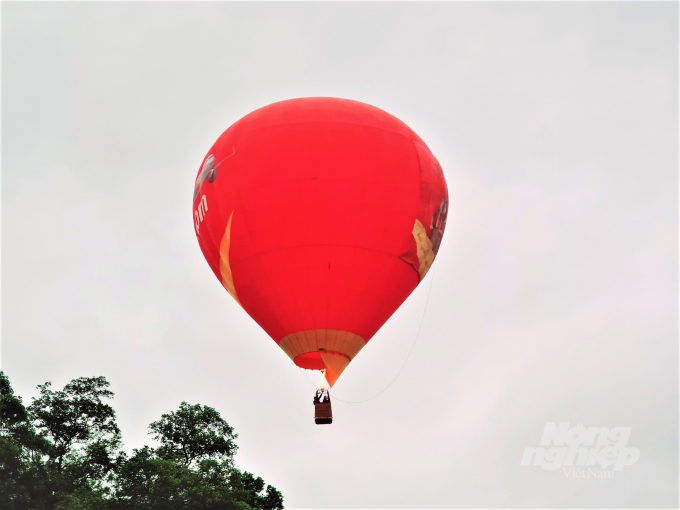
pixel 554 296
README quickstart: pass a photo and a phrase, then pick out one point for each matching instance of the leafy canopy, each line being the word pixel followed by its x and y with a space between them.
pixel 194 433
pixel 63 452
pixel 75 415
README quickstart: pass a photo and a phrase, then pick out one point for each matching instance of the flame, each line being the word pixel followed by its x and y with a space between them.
pixel 322 382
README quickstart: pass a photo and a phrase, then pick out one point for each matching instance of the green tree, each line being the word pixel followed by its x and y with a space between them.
pixel 75 416
pixel 256 494
pixel 194 433
pixel 83 440
pixel 193 468
pixel 63 453
pixel 147 482
pixel 24 479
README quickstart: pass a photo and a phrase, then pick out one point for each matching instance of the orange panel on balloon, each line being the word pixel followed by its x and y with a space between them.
pixel 320 216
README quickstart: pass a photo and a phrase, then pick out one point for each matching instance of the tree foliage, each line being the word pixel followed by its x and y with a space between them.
pixel 75 415
pixel 64 452
pixel 194 433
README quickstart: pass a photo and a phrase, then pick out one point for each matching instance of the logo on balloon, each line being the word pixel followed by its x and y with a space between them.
pixel 438 224
pixel 200 212
pixel 209 171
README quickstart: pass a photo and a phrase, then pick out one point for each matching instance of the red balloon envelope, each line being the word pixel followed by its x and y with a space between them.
pixel 320 216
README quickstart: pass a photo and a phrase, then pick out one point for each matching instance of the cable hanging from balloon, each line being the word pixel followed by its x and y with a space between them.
pixel 415 340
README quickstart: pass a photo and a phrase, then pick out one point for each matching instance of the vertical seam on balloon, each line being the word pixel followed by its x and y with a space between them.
pixel 341 346
pixel 330 338
pixel 269 189
pixel 368 288
pixel 317 344
pixel 308 346
pixel 331 235
pixel 302 338
pixel 299 339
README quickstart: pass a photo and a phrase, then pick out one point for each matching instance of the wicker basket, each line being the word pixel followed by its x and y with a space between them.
pixel 323 414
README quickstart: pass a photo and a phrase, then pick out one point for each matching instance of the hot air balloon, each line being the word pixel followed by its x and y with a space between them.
pixel 320 216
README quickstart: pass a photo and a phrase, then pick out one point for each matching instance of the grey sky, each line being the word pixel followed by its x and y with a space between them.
pixel 555 294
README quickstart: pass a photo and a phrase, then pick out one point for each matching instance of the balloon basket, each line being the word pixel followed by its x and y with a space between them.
pixel 323 413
